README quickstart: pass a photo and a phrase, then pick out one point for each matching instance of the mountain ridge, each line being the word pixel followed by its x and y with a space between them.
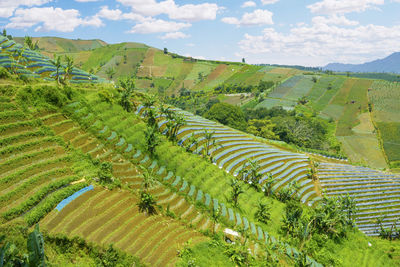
pixel 390 64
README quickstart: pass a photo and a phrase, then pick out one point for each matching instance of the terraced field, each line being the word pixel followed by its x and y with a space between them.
pixel 37 170
pixel 33 64
pixel 232 149
pixel 377 194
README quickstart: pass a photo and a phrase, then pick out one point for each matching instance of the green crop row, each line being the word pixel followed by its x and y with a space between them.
pixel 20 148
pixel 21 190
pixel 36 198
pixel 39 211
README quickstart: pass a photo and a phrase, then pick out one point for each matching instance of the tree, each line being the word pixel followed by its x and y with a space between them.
pixel 291 218
pixel 268 183
pixel 215 216
pixel 227 114
pixel 302 101
pixel 263 212
pixel 148 104
pixel 148 178
pixel 175 121
pixel 147 203
pixel 128 86
pixel 165 50
pixel 237 190
pixel 110 72
pixel 152 139
pixel 105 173
pixel 192 141
pixel 4 33
pixel 68 67
pixel 314 79
pixel 243 60
pixel 209 142
pixel 29 43
pixel 56 62
pixel 262 128
pixel 201 76
pixel 249 173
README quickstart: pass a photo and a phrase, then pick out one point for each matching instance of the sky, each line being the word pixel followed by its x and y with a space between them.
pixel 293 32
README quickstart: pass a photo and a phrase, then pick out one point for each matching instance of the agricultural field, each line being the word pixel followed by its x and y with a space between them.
pixel 81 160
pixel 385 111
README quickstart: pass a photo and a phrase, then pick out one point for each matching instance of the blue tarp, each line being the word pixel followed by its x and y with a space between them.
pixel 66 201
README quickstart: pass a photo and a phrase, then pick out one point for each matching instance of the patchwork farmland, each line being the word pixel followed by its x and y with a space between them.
pixel 80 162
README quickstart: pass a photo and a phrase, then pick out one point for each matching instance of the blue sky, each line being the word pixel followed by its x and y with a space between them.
pixel 310 33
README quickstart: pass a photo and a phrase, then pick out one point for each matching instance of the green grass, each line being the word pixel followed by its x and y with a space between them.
pixel 390 133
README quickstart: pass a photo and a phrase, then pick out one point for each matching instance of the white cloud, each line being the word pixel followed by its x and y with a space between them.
pixel 175 35
pixel 111 14
pixel 334 20
pixel 321 43
pixel 269 2
pixel 249 4
pixel 7 7
pixel 84 1
pixel 157 26
pixel 330 7
pixel 258 17
pixel 51 19
pixel 189 12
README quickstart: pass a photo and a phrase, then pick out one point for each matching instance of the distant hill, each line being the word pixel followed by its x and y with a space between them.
pixel 387 64
pixel 50 45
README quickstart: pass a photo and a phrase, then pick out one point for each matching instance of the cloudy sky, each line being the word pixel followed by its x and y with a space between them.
pixel 311 33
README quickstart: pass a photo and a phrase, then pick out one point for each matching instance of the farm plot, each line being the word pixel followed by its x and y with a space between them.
pixel 274 102
pixel 300 89
pixel 199 72
pixel 155 239
pixel 384 97
pixel 324 100
pixel 221 73
pixel 354 99
pixel 376 193
pixel 36 169
pixel 281 90
pixel 320 87
pixel 244 76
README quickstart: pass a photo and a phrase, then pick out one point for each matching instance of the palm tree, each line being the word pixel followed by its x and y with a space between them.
pixel 192 140
pixel 210 141
pixel 263 213
pixel 147 203
pixel 173 125
pixel 56 62
pixel 268 183
pixel 128 84
pixel 148 104
pixel 152 139
pixel 148 178
pixel 68 67
pixel 237 190
pixel 249 173
pixel 215 215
